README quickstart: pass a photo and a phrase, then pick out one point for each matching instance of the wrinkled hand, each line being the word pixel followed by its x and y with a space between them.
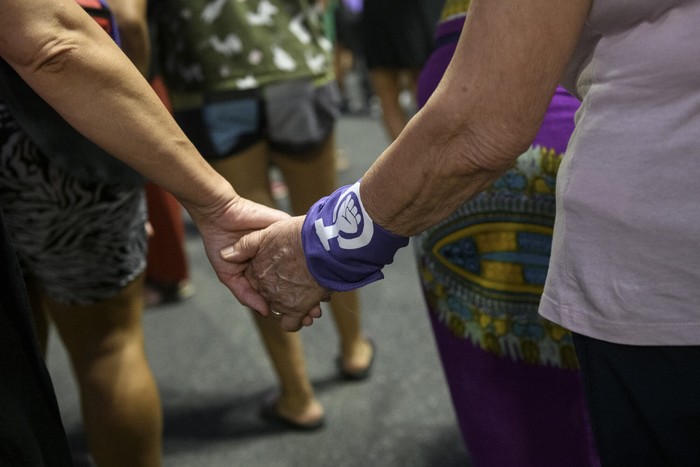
pixel 219 227
pixel 277 269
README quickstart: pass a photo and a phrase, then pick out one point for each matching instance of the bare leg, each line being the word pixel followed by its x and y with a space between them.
pixel 411 77
pixel 343 60
pixel 356 351
pixel 310 177
pixel 297 400
pixel 248 173
pixel 387 85
pixel 121 407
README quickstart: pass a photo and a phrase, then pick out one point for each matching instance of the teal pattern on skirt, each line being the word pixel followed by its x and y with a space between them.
pixel 483 268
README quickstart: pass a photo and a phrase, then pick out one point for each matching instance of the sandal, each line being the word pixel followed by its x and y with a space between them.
pixel 361 374
pixel 270 412
pixel 156 294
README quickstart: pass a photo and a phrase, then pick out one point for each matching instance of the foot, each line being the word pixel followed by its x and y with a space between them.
pixel 283 411
pixel 357 364
pixel 156 294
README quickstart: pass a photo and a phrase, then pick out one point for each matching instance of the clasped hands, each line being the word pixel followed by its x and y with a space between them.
pixel 273 262
pixel 256 252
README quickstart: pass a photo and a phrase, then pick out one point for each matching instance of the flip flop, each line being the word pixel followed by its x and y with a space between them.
pixel 270 413
pixel 362 374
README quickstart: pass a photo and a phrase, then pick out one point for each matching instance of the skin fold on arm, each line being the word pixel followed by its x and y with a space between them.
pixel 483 115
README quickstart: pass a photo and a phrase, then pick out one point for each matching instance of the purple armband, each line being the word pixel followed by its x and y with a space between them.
pixel 344 249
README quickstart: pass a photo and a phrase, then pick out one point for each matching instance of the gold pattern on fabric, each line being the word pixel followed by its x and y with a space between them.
pixel 483 268
pixel 454 8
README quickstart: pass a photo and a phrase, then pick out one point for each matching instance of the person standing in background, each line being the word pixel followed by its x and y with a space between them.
pixel 397 40
pixel 343 20
pixel 251 84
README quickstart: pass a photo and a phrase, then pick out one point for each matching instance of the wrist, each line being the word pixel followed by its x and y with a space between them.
pixel 217 197
pixel 344 248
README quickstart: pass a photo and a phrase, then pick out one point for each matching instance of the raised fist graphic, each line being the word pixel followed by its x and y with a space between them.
pixel 351 226
pixel 349 217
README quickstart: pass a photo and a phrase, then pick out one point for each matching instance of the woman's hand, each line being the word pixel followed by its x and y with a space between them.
pixel 277 270
pixel 223 225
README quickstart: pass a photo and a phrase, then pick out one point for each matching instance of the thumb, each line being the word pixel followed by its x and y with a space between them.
pixel 244 249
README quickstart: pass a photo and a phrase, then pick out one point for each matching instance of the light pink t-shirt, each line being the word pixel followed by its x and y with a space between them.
pixel 625 262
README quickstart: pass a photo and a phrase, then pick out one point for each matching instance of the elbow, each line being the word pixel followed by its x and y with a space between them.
pixel 482 130
pixel 51 56
pixel 482 144
pixel 496 145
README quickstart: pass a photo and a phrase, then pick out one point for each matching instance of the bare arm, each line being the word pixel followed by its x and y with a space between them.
pixel 484 113
pixel 67 59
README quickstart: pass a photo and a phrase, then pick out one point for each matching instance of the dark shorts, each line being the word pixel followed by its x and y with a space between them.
pixel 82 241
pixel 294 117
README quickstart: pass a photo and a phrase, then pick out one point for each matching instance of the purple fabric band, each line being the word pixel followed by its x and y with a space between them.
pixel 344 249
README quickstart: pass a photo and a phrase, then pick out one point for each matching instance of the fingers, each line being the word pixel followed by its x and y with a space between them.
pixel 290 323
pixel 293 322
pixel 244 249
pixel 256 302
pixel 248 296
pixel 315 312
pixel 307 321
pixel 259 216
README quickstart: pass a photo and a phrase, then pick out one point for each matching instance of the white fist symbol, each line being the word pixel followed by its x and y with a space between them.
pixel 347 219
pixel 349 216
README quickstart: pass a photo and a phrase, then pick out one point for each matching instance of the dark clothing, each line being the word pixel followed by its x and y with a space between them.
pixel 644 401
pixel 398 34
pixel 31 432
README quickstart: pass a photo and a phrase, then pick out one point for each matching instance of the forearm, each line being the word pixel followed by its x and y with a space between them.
pixel 426 174
pixel 484 113
pixel 76 68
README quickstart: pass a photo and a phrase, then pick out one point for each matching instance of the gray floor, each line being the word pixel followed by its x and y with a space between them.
pixel 213 373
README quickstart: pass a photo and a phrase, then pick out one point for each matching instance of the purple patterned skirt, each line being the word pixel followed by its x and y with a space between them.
pixel 512 375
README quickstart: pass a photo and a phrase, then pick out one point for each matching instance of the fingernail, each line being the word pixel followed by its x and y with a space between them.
pixel 227 252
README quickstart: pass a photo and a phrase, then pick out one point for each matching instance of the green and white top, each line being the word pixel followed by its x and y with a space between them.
pixel 213 46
